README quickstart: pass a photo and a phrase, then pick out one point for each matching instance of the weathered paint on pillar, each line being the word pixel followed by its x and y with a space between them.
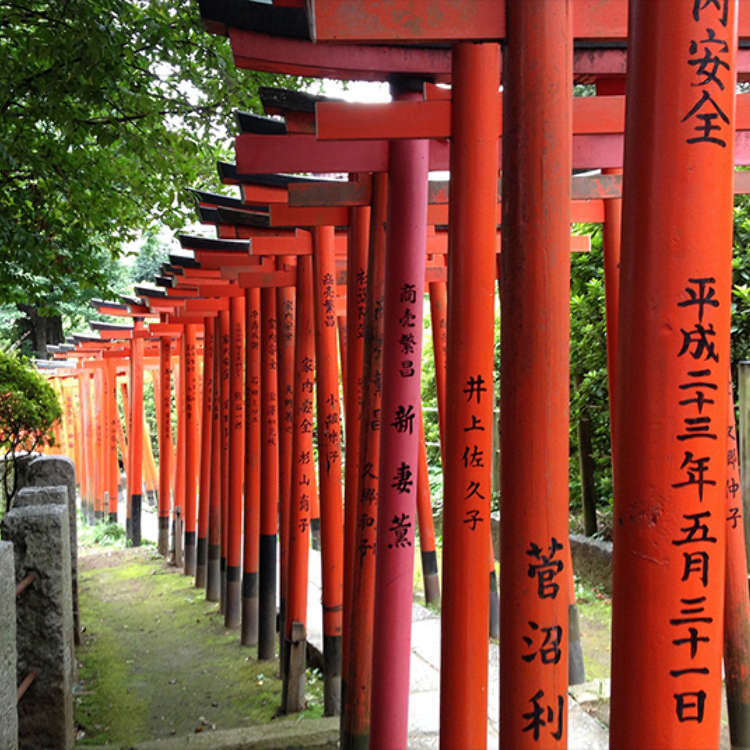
pixel 233 607
pixel 736 600
pixel 743 404
pixel 249 636
pixel 165 441
pixel 475 127
pixel 192 441
pixel 213 563
pixel 535 288
pixel 285 298
pixel 356 307
pixel 303 478
pixel 404 292
pixel 135 434
pixel 204 494
pixel 225 370
pixel 269 477
pixel 356 688
pixel 109 409
pixel 329 463
pixel 671 377
pixel 178 507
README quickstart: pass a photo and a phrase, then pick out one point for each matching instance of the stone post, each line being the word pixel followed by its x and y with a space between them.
pixel 44 622
pixel 8 714
pixel 52 471
pixel 35 496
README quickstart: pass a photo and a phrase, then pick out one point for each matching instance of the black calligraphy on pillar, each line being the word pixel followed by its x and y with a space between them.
pixel 696 474
pixel 545 567
pixel 399 530
pixel 549 717
pixel 707 59
pixel 550 649
pixel 328 299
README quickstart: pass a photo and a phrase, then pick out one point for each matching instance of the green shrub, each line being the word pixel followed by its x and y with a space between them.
pixel 28 411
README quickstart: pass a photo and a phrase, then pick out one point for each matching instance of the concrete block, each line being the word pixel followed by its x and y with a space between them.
pixel 8 713
pixel 28 496
pixel 592 560
pixel 44 622
pixel 33 496
pixel 53 471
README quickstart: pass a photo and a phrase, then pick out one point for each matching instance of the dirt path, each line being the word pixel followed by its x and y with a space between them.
pixel 156 659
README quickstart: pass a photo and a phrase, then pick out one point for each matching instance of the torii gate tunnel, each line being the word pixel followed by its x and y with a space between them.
pixel 306 312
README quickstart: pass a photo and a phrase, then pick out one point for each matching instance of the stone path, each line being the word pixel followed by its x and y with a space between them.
pixel 584 731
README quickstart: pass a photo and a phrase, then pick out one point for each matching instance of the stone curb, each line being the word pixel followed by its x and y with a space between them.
pixel 279 735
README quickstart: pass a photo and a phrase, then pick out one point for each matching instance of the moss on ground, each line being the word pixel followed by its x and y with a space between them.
pixel 595 620
pixel 156 659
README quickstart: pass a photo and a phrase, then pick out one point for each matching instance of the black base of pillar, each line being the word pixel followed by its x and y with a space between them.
pixel 576 668
pixel 233 604
pixel 267 597
pixel 331 675
pixel 315 533
pixel 200 563
pixel 113 517
pixel 354 741
pixel 223 587
pixel 739 723
pixel 431 578
pixel 293 691
pixel 213 574
pixel 190 554
pixel 494 608
pixel 135 520
pixel 249 636
pixel 163 544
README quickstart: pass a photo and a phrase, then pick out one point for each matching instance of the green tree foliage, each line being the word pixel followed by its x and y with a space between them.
pixel 108 110
pixel 588 346
pixel 741 284
pixel 589 396
pixel 28 411
pixel 149 259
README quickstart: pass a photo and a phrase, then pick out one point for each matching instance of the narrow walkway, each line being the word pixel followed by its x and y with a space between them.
pixel 584 731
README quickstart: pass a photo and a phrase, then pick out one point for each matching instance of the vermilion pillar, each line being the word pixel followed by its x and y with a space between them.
pixel 535 287
pixel 404 291
pixel 468 450
pixel 736 601
pixel 269 477
pixel 100 467
pixel 112 415
pixel 192 441
pixel 249 635
pixel 84 408
pixel 225 369
pixel 204 493
pixel 672 361
pixel 611 241
pixel 356 687
pixel 303 487
pixel 178 517
pixel 285 299
pixel 213 563
pixel 329 463
pixel 165 440
pixel 356 305
pixel 233 608
pixel 135 434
